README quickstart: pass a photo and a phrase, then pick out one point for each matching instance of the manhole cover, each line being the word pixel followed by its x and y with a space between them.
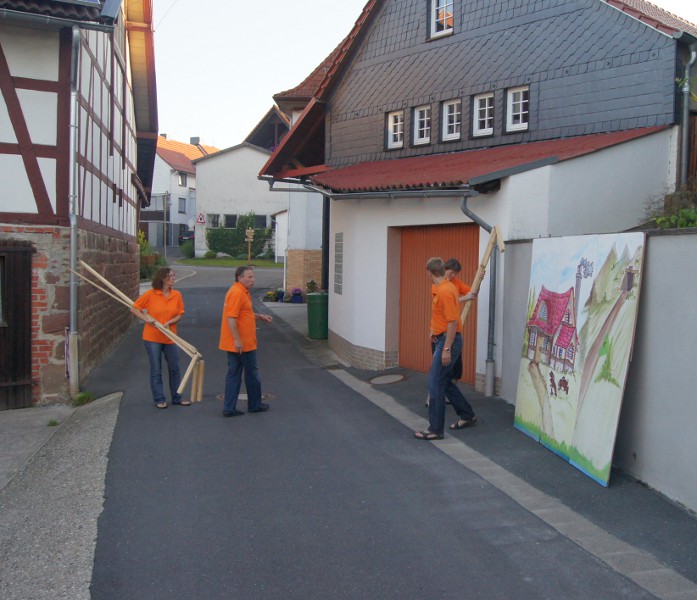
pixel 385 379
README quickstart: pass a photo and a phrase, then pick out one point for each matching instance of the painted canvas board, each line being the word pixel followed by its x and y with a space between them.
pixel 582 308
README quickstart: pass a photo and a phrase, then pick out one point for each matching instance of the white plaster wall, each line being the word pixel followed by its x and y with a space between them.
pixel 607 191
pixel 305 228
pixel 31 53
pixel 281 236
pixel 17 195
pixel 227 184
pixel 656 440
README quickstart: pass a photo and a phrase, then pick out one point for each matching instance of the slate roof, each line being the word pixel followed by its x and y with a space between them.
pixel 470 167
pixel 179 155
pixel 297 142
pixel 557 304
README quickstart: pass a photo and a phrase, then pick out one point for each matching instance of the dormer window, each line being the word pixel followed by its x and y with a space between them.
pixel 422 125
pixel 441 17
pixel 395 130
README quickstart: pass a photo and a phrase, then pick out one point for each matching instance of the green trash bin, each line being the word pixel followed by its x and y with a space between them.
pixel 317 315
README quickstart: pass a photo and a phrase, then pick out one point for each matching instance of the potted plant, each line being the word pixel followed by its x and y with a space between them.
pixel 296 296
pixel 280 293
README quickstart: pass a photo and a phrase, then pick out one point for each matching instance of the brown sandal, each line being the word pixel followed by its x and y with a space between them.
pixel 462 423
pixel 429 436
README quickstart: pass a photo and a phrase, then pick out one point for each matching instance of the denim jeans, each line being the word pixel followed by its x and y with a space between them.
pixel 440 386
pixel 155 351
pixel 237 362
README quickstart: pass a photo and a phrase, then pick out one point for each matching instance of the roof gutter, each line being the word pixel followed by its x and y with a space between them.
pixel 15 17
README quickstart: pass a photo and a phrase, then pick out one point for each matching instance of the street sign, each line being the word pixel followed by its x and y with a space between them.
pixel 201 220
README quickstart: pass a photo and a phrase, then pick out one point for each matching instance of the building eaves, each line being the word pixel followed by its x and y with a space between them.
pixel 219 153
pixel 469 167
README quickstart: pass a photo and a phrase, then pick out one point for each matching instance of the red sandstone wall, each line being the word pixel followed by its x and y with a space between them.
pixel 101 320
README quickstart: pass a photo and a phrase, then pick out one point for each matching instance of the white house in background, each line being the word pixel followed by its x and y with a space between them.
pixel 173 199
pixel 228 187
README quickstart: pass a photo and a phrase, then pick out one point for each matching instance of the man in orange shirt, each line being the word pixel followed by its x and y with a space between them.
pixel 445 317
pixel 238 337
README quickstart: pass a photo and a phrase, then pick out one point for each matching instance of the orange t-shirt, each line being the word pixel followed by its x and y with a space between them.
pixel 446 307
pixel 238 305
pixel 162 308
pixel 462 288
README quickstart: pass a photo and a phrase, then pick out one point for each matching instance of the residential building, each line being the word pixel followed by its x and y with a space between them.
pixel 78 131
pixel 438 119
pixel 431 107
pixel 173 200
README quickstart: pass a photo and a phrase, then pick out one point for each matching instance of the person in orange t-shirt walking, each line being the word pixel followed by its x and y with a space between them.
pixel 445 315
pixel 165 305
pixel 238 337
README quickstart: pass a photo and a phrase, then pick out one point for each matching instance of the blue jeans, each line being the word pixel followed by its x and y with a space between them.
pixel 155 351
pixel 440 386
pixel 237 362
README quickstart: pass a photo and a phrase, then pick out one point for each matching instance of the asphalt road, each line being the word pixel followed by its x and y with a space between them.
pixel 325 496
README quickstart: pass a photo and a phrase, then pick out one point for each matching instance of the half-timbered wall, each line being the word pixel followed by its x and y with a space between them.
pixel 35 165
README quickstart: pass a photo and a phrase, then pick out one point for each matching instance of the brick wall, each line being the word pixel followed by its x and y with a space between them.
pixel 360 357
pixel 101 320
pixel 302 266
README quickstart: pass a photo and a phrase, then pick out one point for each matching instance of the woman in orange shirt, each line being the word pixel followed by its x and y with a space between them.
pixel 166 306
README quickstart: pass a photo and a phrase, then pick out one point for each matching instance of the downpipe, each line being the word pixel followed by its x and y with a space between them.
pixel 685 137
pixel 73 364
pixel 490 372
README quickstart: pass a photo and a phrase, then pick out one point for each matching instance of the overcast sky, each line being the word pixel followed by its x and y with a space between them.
pixel 219 62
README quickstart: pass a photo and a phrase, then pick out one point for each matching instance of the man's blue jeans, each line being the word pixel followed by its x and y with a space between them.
pixel 237 362
pixel 155 351
pixel 440 386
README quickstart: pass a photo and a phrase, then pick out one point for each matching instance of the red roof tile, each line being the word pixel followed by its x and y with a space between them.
pixel 179 155
pixel 468 167
pixel 654 16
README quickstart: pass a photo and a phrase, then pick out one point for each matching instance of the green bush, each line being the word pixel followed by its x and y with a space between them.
pixel 679 209
pixel 187 249
pixel 210 254
pixel 232 241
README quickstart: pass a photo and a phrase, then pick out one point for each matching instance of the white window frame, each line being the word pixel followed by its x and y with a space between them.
pixel 422 125
pixel 441 18
pixel 483 110
pixel 395 129
pixel 518 108
pixel 451 119
pixel 182 179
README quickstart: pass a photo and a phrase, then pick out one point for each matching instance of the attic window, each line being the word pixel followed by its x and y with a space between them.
pixel 543 311
pixel 182 179
pixel 441 16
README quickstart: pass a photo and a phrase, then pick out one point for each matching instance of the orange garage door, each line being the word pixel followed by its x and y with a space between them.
pixel 418 244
